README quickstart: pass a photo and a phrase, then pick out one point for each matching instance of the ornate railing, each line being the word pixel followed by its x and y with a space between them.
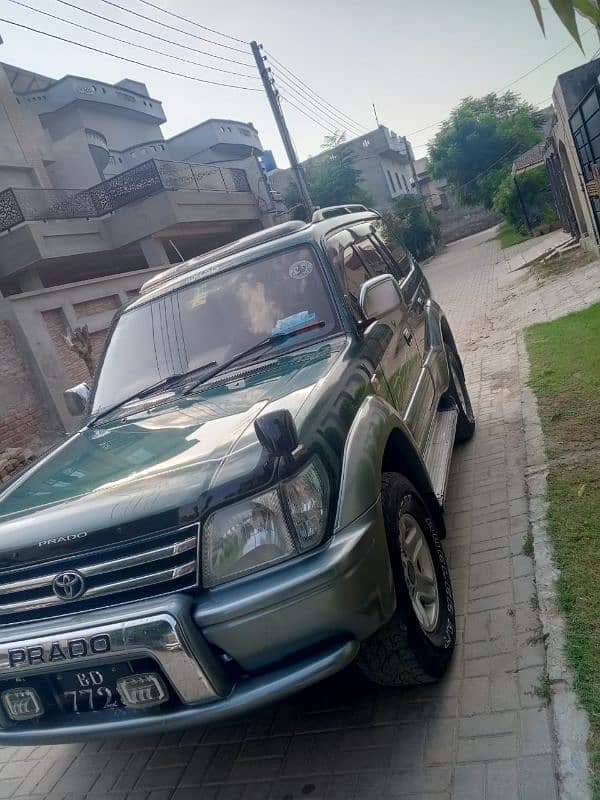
pixel 143 180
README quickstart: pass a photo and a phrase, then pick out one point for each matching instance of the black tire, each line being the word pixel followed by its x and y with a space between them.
pixel 457 390
pixel 402 653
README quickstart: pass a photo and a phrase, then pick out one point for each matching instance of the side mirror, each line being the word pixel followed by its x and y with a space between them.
pixel 76 399
pixel 277 433
pixel 380 296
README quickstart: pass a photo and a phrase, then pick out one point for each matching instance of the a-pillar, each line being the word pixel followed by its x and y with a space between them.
pixel 154 252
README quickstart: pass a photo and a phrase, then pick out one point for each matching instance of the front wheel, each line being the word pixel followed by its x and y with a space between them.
pixel 416 644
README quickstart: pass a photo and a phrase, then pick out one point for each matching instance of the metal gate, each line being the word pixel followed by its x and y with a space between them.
pixel 564 206
pixel 585 128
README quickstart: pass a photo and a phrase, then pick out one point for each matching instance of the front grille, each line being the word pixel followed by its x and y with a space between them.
pixel 145 567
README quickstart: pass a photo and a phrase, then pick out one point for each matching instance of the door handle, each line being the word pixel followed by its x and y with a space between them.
pixel 407 336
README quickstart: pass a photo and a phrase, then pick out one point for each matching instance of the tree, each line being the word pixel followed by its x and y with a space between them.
pixel 565 10
pixel 410 224
pixel 536 196
pixel 478 143
pixel 333 179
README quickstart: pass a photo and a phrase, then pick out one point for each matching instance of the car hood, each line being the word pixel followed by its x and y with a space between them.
pixel 161 456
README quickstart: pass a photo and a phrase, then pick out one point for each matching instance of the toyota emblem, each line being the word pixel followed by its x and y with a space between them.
pixel 68 585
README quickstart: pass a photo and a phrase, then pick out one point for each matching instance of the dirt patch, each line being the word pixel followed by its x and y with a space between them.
pixel 560 264
pixel 567 429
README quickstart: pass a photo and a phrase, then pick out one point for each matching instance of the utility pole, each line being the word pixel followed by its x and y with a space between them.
pixel 283 129
pixel 521 203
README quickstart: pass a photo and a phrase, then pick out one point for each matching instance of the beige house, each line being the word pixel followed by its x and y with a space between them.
pixel 384 158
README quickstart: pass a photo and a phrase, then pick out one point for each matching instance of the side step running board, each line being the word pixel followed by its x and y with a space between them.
pixel 439 450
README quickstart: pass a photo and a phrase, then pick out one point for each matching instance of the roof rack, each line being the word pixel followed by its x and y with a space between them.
pixel 260 237
pixel 335 211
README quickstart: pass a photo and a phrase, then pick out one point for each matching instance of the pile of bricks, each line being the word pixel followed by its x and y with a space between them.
pixel 13 459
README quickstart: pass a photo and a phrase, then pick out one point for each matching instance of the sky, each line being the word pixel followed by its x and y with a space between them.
pixel 413 59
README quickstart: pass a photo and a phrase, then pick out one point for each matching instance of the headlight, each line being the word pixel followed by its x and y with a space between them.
pixel 255 533
pixel 307 497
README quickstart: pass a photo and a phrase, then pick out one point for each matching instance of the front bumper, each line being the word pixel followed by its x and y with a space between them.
pixel 286 629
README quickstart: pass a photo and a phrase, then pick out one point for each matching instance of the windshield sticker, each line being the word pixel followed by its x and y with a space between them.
pixel 199 296
pixel 298 320
pixel 300 269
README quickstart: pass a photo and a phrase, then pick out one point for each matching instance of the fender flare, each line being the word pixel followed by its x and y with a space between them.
pixel 375 425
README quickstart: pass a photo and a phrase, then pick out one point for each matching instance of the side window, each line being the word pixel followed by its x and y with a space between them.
pixel 396 254
pixel 350 270
pixel 373 258
pixel 354 274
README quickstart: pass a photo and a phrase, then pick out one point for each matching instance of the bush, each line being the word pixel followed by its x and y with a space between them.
pixel 410 223
pixel 537 198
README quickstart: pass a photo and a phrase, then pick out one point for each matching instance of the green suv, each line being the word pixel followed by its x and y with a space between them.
pixel 254 498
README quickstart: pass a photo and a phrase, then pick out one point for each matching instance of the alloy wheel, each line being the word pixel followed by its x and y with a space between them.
pixel 419 572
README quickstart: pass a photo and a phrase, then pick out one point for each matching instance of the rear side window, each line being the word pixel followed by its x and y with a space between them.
pixel 396 254
pixel 372 257
pixel 350 269
pixel 359 254
pixel 354 274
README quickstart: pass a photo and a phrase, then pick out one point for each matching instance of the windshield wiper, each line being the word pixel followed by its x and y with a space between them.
pixel 268 340
pixel 166 383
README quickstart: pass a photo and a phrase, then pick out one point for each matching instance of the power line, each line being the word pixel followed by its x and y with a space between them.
pixel 491 166
pixel 131 44
pixel 297 80
pixel 538 103
pixel 306 114
pixel 421 203
pixel 541 64
pixel 321 111
pixel 174 28
pixel 321 119
pixel 151 35
pixel 192 22
pixel 340 123
pixel 129 60
pixel 512 83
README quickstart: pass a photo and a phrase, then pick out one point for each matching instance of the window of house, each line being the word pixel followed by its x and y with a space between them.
pixel 391 180
pixel 405 183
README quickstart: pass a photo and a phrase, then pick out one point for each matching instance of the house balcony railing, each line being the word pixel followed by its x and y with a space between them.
pixel 143 180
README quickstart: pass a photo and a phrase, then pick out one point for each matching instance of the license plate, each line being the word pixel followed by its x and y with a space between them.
pixel 91 689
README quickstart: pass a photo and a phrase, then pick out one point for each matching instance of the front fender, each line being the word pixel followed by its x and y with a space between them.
pixel 360 484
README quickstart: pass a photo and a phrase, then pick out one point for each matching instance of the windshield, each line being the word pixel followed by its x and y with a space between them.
pixel 212 320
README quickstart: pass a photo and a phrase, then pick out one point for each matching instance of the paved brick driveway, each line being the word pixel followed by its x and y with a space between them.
pixel 483 732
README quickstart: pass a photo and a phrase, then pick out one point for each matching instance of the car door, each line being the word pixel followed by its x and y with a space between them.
pixel 404 360
pixel 356 261
pixel 415 291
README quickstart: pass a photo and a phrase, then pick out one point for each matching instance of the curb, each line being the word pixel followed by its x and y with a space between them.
pixel 570 721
